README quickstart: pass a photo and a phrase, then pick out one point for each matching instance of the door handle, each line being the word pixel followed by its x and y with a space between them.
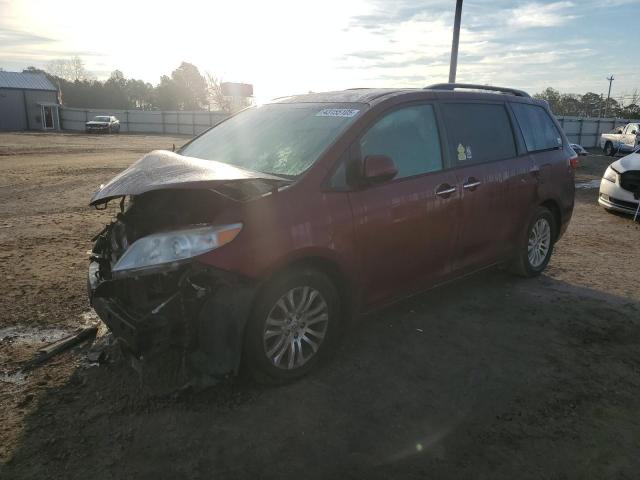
pixel 471 184
pixel 445 190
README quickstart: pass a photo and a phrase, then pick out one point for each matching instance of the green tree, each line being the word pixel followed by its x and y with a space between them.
pixel 552 97
pixel 592 104
pixel 569 105
pixel 140 94
pixel 191 87
pixel 166 96
pixel 113 91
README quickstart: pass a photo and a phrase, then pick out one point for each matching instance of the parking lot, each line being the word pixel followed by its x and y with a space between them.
pixel 491 377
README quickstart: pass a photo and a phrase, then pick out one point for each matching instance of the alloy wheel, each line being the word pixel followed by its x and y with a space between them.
pixel 295 327
pixel 539 242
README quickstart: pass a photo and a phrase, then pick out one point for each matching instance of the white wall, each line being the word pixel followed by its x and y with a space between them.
pixel 145 121
pixel 583 130
pixel 586 131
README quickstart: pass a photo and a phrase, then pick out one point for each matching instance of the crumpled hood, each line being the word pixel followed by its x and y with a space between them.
pixel 162 169
pixel 629 162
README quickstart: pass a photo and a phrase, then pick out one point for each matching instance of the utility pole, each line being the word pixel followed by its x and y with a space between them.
pixel 453 65
pixel 606 105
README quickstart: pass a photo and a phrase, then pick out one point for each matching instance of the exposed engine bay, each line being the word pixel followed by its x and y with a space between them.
pixel 187 305
pixel 149 213
pixel 144 279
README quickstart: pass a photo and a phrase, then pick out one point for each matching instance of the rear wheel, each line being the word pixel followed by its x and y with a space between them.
pixel 535 251
pixel 609 150
pixel 292 327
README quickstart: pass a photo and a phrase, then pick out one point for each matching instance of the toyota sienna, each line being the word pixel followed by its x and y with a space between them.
pixel 257 241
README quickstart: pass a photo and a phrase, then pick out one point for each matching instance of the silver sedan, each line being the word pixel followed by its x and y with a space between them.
pixel 620 185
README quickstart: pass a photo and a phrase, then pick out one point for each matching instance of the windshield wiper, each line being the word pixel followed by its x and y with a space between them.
pixel 287 178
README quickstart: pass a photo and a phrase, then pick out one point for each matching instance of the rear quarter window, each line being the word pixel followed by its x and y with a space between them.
pixel 478 132
pixel 538 130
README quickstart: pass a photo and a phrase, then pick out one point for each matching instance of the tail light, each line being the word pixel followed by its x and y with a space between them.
pixel 574 162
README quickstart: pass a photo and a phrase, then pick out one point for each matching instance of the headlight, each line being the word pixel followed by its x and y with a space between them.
pixel 169 247
pixel 611 175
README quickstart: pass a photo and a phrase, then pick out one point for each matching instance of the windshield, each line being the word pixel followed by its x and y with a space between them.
pixel 281 138
pixel 101 119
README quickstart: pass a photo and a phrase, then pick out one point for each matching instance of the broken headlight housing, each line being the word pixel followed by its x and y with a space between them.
pixel 170 248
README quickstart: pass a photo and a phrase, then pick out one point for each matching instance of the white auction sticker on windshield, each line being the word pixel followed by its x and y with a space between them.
pixel 337 112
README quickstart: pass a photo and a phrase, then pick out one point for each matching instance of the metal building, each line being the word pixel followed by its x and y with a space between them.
pixel 28 101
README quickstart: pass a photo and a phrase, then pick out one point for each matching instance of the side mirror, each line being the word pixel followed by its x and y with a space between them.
pixel 619 130
pixel 379 168
pixel 633 132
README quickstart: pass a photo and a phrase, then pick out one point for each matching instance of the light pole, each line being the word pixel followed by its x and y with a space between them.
pixel 606 105
pixel 453 65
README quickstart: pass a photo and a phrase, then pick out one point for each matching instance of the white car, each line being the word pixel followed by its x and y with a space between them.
pixel 103 123
pixel 620 185
pixel 621 140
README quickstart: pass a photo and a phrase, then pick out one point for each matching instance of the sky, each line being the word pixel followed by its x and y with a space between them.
pixel 289 47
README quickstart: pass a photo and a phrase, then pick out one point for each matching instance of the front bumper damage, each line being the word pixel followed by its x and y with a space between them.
pixel 197 310
pixel 191 306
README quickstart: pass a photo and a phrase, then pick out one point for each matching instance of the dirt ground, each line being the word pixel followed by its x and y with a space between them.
pixel 490 377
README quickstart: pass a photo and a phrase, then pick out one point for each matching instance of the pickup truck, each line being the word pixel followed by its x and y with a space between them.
pixel 622 139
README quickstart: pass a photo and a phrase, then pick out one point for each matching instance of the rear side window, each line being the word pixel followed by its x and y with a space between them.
pixel 537 128
pixel 478 132
pixel 410 137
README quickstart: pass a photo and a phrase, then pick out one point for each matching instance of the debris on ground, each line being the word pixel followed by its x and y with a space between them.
pixel 61 345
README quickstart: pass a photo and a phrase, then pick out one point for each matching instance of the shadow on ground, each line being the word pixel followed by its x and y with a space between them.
pixel 485 378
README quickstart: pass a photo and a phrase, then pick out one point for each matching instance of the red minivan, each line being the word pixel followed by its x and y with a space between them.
pixel 257 241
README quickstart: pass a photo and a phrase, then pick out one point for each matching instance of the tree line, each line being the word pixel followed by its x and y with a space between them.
pixel 590 104
pixel 184 89
pixel 187 89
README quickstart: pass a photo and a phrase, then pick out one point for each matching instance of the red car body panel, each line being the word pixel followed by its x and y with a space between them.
pixel 391 239
pixel 377 237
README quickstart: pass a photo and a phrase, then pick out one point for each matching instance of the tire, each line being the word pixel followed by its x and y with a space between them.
pixel 276 329
pixel 609 150
pixel 542 226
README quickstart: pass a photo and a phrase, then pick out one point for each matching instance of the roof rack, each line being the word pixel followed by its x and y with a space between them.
pixel 472 86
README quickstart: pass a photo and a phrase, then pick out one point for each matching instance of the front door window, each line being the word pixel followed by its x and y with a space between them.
pixel 410 137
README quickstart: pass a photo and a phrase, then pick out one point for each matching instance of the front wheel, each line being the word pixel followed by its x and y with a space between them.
pixel 535 251
pixel 293 325
pixel 609 150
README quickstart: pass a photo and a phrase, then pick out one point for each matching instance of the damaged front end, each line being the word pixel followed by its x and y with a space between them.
pixel 145 281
